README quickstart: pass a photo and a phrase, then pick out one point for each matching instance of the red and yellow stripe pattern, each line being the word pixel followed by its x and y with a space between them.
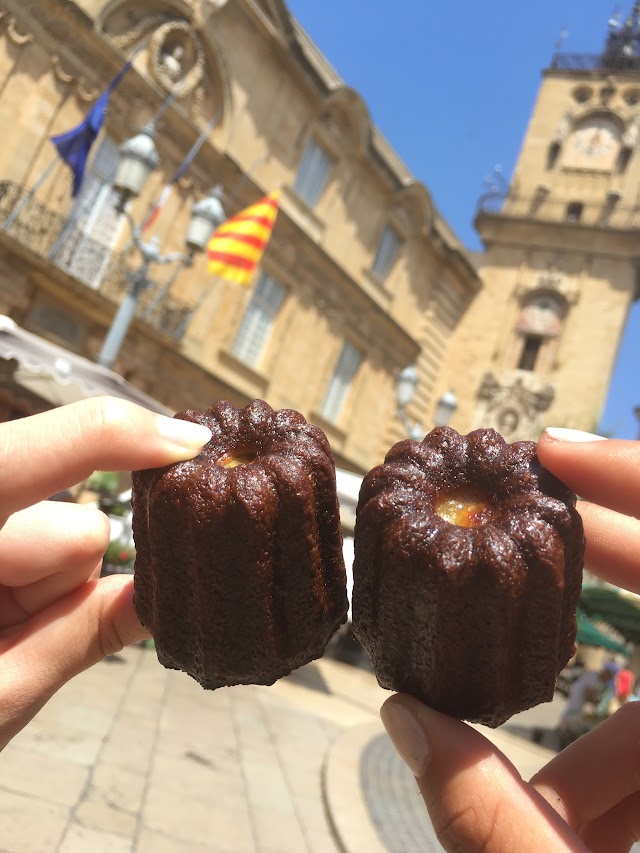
pixel 237 246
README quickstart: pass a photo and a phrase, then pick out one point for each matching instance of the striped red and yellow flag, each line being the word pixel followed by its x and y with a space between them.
pixel 238 244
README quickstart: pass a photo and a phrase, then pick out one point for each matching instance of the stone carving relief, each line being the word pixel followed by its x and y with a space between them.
pixel 175 55
pixel 49 28
pixel 176 58
pixel 512 405
pixel 13 33
pixel 551 280
pixel 631 133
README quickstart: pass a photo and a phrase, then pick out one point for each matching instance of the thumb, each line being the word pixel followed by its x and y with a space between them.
pixel 41 655
pixel 476 798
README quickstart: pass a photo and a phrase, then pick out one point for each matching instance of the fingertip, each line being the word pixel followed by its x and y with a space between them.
pixel 182 439
pixel 406 732
pixel 570 436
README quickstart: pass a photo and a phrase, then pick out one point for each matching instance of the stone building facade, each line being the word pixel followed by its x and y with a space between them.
pixel 361 278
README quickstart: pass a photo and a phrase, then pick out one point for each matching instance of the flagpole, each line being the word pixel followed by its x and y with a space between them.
pixel 180 171
pixel 163 290
pixel 27 198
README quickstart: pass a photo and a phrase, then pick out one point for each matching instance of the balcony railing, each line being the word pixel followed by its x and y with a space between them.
pixel 605 214
pixel 607 61
pixel 64 243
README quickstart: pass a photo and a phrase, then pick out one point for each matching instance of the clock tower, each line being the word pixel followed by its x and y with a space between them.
pixel 562 250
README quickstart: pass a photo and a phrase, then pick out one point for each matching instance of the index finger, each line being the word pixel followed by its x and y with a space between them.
pixel 47 453
pixel 602 472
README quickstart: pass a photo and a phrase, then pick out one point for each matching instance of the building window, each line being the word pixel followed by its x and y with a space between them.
pixel 386 254
pixel 341 381
pixel 258 320
pixel 530 352
pixel 93 227
pixel 313 173
pixel 574 211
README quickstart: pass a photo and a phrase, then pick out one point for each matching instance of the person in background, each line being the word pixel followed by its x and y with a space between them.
pixel 589 687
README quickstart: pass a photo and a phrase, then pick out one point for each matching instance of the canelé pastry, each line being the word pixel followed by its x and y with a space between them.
pixel 467 574
pixel 239 570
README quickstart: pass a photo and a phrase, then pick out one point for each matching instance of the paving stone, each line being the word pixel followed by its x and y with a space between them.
pixel 39 775
pixel 97 814
pixel 80 839
pixel 197 820
pixel 29 825
pixel 117 786
pixel 277 832
pixel 189 778
pixel 266 785
pixel 130 744
pixel 157 842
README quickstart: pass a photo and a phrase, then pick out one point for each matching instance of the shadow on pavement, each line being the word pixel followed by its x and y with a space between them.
pixel 309 676
pixel 538 734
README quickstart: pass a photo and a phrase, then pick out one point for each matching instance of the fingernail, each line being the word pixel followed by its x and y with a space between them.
pixel 575 435
pixel 183 434
pixel 407 736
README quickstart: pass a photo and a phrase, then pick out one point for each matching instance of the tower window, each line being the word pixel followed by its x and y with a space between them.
pixel 530 352
pixel 574 211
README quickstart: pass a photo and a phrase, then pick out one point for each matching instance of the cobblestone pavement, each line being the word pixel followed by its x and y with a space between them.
pixel 132 758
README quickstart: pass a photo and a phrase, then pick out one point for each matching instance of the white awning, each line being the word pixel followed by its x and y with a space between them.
pixel 60 376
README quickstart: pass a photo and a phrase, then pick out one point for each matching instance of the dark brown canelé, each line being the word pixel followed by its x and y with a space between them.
pixel 467 574
pixel 239 570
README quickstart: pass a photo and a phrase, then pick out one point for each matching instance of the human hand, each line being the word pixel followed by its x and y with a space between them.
pixel 57 617
pixel 588 796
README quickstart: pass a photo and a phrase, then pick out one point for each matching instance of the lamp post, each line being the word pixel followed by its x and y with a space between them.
pixel 636 412
pixel 445 407
pixel 138 158
pixel 405 389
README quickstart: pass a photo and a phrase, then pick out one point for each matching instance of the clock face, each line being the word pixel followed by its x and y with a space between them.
pixel 594 145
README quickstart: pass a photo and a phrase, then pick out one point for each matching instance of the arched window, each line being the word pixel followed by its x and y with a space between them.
pixel 539 324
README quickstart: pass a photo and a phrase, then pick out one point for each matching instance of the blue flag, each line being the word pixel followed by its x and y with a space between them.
pixel 74 145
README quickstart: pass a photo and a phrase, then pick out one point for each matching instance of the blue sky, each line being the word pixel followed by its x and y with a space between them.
pixel 451 134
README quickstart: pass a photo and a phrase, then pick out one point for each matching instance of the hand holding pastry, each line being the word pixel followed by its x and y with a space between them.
pixel 56 617
pixel 587 797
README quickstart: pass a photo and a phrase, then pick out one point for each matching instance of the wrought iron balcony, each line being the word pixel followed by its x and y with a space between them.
pixel 63 242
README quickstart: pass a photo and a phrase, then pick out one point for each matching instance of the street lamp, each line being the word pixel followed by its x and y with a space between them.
pixel 405 389
pixel 138 157
pixel 446 406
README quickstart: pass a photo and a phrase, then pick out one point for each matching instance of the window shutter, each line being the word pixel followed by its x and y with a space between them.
pixel 258 320
pixel 341 380
pixel 312 175
pixel 386 254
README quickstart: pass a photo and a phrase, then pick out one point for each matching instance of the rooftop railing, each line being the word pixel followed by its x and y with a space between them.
pixel 595 62
pixel 605 214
